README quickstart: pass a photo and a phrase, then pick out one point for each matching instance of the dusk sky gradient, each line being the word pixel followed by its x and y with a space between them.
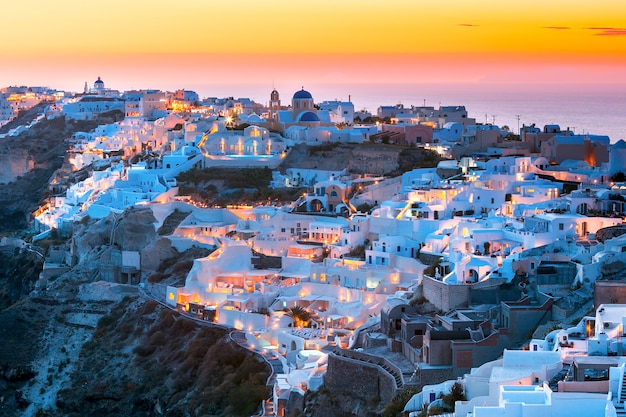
pixel 192 43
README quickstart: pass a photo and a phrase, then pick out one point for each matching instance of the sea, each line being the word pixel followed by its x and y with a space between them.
pixel 583 108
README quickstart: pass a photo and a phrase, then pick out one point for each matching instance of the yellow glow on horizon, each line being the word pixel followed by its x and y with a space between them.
pixel 448 40
pixel 285 26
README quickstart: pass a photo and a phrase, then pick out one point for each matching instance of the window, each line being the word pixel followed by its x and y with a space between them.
pixel 282 229
pixel 561 226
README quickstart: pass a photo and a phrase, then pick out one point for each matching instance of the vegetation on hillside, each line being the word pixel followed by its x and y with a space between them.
pixel 395 407
pixel 223 186
pixel 175 365
pixel 232 177
pixel 412 158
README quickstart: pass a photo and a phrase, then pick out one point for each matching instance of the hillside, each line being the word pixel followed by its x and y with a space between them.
pixel 88 347
pixel 34 156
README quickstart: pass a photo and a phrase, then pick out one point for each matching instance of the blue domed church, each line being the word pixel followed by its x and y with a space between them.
pixel 303 112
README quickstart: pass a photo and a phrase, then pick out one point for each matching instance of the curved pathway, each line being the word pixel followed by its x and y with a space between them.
pixel 238 337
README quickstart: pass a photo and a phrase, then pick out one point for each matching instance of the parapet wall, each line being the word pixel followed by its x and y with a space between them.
pixel 446 297
pixel 359 379
pixel 609 292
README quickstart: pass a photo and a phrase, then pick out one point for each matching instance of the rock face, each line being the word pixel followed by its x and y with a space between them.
pixel 86 347
pixel 135 230
pixel 15 165
pixel 19 270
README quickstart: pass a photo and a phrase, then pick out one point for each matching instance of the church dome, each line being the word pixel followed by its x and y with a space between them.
pixel 254 118
pixel 274 95
pixel 302 95
pixel 309 116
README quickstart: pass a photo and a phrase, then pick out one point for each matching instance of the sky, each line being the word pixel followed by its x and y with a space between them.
pixel 212 46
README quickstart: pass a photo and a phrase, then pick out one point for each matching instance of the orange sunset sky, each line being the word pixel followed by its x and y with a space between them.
pixel 187 43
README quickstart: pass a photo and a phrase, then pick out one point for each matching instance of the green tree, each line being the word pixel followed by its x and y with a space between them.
pixel 395 407
pixel 431 269
pixel 457 393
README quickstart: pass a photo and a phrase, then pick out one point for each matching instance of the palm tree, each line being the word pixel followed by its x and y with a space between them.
pixel 300 316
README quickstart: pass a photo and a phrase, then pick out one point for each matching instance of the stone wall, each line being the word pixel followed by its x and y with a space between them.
pixel 446 297
pixel 609 292
pixel 359 379
pixel 607 233
pixel 434 376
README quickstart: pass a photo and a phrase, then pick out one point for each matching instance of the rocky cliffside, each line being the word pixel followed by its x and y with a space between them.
pixel 83 346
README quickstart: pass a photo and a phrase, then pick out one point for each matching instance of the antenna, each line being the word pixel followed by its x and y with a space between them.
pixel 493 116
pixel 517 116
